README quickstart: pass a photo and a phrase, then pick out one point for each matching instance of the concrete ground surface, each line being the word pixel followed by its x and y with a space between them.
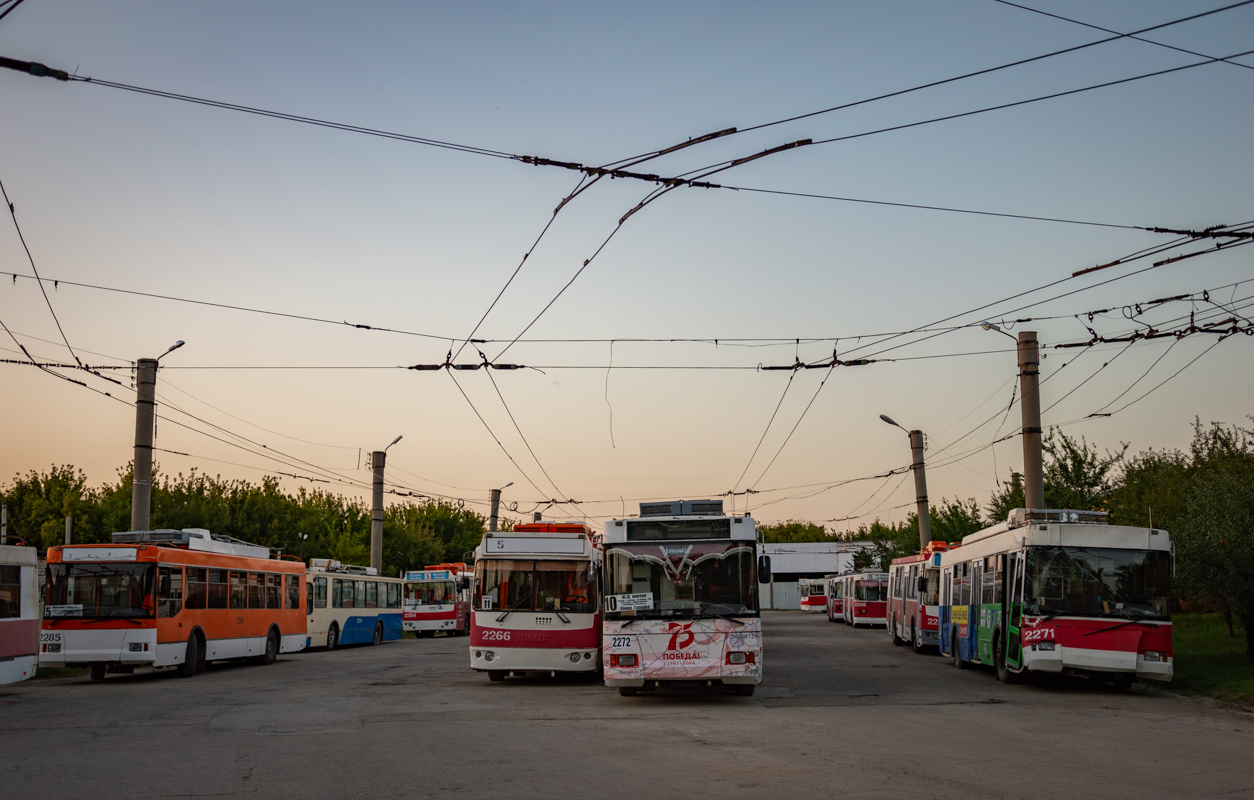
pixel 841 713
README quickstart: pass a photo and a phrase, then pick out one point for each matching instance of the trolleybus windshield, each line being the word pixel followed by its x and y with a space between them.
pixel 536 585
pixel 430 593
pixel 870 590
pixel 85 591
pixel 1098 582
pixel 693 580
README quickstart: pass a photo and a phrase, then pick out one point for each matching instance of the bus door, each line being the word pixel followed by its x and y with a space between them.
pixel 1013 605
pixel 943 624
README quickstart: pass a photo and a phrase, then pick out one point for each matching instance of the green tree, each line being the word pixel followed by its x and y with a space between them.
pixel 794 530
pixel 1076 476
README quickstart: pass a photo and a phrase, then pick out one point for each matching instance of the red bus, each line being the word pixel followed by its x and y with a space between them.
pixel 437 598
pixel 19 612
pixel 813 594
pixel 836 599
pixel 914 598
pixel 169 598
pixel 865 598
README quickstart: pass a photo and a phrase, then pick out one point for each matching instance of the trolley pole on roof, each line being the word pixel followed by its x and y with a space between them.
pixel 1029 391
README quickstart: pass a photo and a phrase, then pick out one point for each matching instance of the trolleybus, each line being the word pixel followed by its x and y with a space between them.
pixel 836 599
pixel 681 604
pixel 536 601
pixel 350 605
pixel 168 598
pixel 813 594
pixel 1060 591
pixel 19 612
pixel 914 598
pixel 437 598
pixel 865 598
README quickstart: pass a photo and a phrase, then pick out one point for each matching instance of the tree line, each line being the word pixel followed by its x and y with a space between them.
pixel 415 533
pixel 1202 496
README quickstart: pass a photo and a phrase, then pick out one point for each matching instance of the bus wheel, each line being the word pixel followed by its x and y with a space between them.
pixel 916 639
pixel 333 636
pixel 745 689
pixel 272 649
pixel 97 672
pixel 629 691
pixel 1121 682
pixel 958 662
pixel 496 675
pixel 1003 672
pixel 191 658
pixel 378 634
pixel 892 626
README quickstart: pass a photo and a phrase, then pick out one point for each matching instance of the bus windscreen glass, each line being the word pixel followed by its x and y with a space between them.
pixel 526 585
pixel 640 530
pixel 428 594
pixel 691 580
pixel 870 590
pixel 1098 582
pixel 93 591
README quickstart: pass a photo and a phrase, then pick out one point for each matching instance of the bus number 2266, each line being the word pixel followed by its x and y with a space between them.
pixel 494 635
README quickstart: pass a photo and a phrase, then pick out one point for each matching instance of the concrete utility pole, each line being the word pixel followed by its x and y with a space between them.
pixel 495 496
pixel 4 523
pixel 920 489
pixel 1029 391
pixel 145 412
pixel 377 461
pixel 69 530
pixel 920 482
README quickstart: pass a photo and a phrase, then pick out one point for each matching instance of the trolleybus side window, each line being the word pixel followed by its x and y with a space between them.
pixel 372 594
pixel 274 590
pixel 256 590
pixel 932 592
pixel 341 593
pixel 962 584
pixel 169 591
pixel 239 589
pixel 986 581
pixel 218 588
pixel 293 591
pixel 320 592
pixel 10 591
pixel 394 595
pixel 197 590
pixel 308 598
pixel 999 578
pixel 359 600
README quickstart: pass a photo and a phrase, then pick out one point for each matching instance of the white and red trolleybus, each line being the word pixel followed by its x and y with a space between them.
pixel 836 598
pixel 813 594
pixel 681 604
pixel 19 612
pixel 437 598
pixel 169 598
pixel 865 598
pixel 914 598
pixel 536 601
pixel 1060 591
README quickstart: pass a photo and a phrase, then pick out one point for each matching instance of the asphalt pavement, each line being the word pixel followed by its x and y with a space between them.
pixel 841 712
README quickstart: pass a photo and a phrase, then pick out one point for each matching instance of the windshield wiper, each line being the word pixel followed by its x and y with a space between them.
pixel 1120 625
pixel 636 618
pixel 560 615
pixel 513 608
pixel 727 617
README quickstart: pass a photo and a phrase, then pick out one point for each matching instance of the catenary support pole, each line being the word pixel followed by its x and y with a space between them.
pixel 377 460
pixel 1029 390
pixel 4 523
pixel 920 489
pixel 145 413
pixel 495 496
pixel 69 530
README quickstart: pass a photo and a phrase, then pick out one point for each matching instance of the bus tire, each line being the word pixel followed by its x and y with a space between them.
pixel 892 626
pixel 1003 670
pixel 378 633
pixel 629 691
pixel 916 638
pixel 496 675
pixel 333 636
pixel 1122 682
pixel 957 656
pixel 191 658
pixel 745 689
pixel 272 648
pixel 97 672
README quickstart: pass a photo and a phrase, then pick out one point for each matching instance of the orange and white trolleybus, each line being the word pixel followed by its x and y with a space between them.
pixel 169 598
pixel 681 604
pixel 19 612
pixel 536 601
pixel 437 598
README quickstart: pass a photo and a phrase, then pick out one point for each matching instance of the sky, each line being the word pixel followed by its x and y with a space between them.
pixel 128 191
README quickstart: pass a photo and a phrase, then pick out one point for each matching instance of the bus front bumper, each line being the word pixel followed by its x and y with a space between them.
pixel 134 647
pixel 534 659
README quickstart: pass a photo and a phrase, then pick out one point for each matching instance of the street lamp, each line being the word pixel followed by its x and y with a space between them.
pixel 394 441
pixel 172 348
pixel 1027 350
pixel 989 326
pixel 303 537
pixel 920 481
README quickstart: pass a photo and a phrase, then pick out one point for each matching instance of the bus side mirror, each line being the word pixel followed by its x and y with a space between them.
pixel 764 569
pixel 465 583
pixel 922 584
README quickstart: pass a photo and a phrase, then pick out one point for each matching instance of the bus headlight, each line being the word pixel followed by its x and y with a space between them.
pixel 55 647
pixel 1152 655
pixel 136 647
pixel 489 656
pixel 478 654
pixel 574 658
pixel 622 660
pixel 741 658
pixel 1043 646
